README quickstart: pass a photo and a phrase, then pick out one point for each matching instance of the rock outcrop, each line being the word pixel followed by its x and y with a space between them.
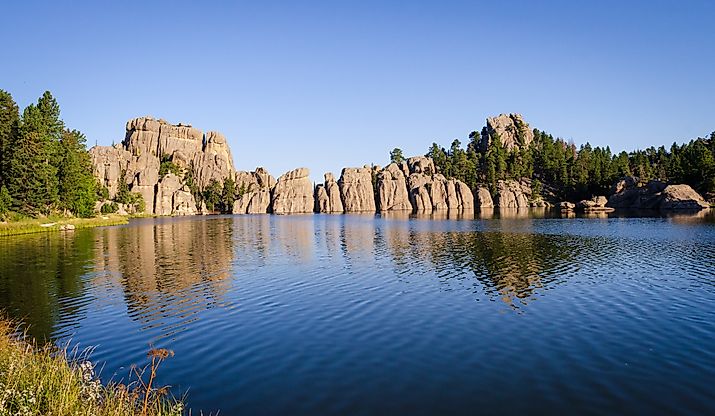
pixel 630 193
pixel 147 144
pixel 173 197
pixel 253 192
pixel 484 198
pixel 429 190
pixel 327 196
pixel 512 130
pixel 293 193
pixel 356 189
pixel 392 189
pixel 512 194
pixel 597 203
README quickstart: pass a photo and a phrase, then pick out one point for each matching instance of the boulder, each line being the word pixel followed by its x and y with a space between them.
pixel 327 196
pixel 356 190
pixel 293 193
pixel 567 206
pixel 681 197
pixel 654 195
pixel 597 203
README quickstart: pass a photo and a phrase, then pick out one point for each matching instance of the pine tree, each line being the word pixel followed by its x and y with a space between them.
pixel 77 185
pixel 9 125
pixel 396 156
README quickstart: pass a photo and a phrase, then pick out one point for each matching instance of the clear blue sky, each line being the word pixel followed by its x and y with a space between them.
pixel 337 83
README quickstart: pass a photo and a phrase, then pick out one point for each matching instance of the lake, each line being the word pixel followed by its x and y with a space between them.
pixel 504 313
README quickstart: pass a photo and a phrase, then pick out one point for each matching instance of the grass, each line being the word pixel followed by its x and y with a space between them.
pixel 49 381
pixel 35 225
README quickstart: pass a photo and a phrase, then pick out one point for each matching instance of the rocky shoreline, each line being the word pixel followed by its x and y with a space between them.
pixel 171 166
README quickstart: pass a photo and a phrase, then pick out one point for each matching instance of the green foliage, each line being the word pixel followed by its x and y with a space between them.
pixel 5 201
pixel 9 126
pixel 167 166
pixel 109 208
pixel 212 195
pixel 577 173
pixel 77 185
pixel 228 195
pixel 396 156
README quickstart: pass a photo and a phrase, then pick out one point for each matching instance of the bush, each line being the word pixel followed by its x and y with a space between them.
pixel 109 208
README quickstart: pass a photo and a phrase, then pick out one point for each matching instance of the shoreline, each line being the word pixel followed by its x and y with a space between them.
pixel 46 225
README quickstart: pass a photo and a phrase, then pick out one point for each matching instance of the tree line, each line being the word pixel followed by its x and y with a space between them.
pixel 573 173
pixel 44 166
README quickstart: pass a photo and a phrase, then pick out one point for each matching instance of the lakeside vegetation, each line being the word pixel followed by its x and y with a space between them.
pixel 46 171
pixel 57 223
pixel 44 380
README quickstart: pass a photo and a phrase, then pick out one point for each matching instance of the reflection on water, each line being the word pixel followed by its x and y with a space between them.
pixel 345 313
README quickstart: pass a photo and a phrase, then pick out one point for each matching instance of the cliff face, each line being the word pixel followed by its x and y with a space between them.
pixel 148 143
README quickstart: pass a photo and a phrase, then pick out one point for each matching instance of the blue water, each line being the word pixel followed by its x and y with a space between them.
pixel 362 314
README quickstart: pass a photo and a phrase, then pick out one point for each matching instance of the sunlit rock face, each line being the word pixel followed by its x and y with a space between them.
pixel 253 192
pixel 356 190
pixel 149 142
pixel 511 129
pixel 293 193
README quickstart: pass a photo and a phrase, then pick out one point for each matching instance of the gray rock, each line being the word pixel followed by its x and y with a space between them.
pixel 512 130
pixel 484 198
pixel 293 193
pixel 356 190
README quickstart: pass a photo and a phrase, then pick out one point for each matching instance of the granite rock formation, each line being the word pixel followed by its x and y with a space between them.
pixel 149 142
pixel 293 193
pixel 484 198
pixel 356 189
pixel 629 192
pixel 254 192
pixel 392 189
pixel 512 130
pixel 512 194
pixel 327 196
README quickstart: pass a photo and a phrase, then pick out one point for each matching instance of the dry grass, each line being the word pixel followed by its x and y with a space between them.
pixel 50 381
pixel 35 225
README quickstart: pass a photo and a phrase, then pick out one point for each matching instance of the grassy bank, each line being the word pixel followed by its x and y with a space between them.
pixel 48 381
pixel 50 224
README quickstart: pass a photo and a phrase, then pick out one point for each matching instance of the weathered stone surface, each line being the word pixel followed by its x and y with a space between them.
pixel 293 193
pixel 356 189
pixel 421 164
pixel 108 162
pixel 567 206
pixel 392 189
pixel 464 195
pixel 682 197
pixel 597 203
pixel 322 202
pixel 254 190
pixel 172 198
pixel 512 130
pixel 333 190
pixel 654 195
pixel 484 198
pixel 147 141
pixel 511 194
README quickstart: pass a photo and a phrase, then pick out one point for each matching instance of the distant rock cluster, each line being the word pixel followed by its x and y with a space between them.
pixel 198 159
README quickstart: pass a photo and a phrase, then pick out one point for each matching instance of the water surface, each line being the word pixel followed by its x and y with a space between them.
pixel 361 314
